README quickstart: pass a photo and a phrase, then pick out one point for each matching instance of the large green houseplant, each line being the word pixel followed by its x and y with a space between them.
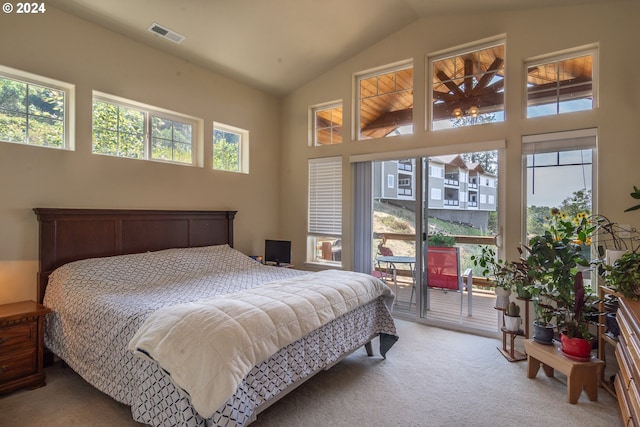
pixel 497 271
pixel 623 274
pixel 556 259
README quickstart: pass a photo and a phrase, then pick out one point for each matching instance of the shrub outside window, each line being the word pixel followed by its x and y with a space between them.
pixel 35 110
pixel 561 85
pixel 230 148
pixel 125 129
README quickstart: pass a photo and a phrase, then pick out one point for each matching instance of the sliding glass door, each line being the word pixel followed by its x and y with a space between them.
pixel 459 215
pixel 430 215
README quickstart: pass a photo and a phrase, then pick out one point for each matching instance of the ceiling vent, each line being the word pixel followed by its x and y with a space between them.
pixel 166 33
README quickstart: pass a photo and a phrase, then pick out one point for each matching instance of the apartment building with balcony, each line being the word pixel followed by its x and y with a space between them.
pixel 457 191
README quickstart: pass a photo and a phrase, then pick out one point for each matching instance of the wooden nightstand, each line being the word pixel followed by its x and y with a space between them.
pixel 21 345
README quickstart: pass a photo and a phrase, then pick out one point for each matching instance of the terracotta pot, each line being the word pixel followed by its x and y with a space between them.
pixel 576 347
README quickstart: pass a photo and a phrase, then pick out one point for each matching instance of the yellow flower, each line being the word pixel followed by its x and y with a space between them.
pixel 588 242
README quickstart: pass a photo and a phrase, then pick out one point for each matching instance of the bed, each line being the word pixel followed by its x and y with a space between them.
pixel 107 274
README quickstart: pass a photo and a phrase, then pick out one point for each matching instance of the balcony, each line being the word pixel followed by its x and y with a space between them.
pixel 445 306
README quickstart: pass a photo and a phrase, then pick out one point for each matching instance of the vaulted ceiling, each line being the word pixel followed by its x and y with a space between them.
pixel 275 45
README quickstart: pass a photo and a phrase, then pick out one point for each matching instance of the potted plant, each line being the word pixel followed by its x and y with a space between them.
pixel 622 273
pixel 556 260
pixel 575 337
pixel 441 240
pixel 512 317
pixel 543 326
pixel 498 271
pixel 623 276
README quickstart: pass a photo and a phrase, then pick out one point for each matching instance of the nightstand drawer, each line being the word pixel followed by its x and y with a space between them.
pixel 18 365
pixel 18 336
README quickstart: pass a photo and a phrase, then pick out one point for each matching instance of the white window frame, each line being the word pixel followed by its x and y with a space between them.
pixel 68 140
pixel 583 139
pixel 150 111
pixel 403 65
pixel 243 160
pixel 324 213
pixel 559 57
pixel 313 128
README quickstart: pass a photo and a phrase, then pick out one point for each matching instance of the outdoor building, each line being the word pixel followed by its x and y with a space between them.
pixel 457 191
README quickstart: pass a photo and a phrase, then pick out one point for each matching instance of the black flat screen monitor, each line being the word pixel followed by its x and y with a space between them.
pixel 277 252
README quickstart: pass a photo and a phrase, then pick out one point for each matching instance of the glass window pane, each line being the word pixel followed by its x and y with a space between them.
pixel 226 150
pixel 468 89
pixel 182 152
pixel 161 128
pixel 161 149
pixel 131 145
pixel 31 113
pixel 13 127
pixel 105 142
pixel 13 96
pixel 105 116
pixel 182 132
pixel 574 171
pixel 328 125
pixel 45 131
pixel 386 104
pixel 562 86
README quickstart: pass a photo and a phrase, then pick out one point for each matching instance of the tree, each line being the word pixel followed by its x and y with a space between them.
pixel 226 151
pixel 31 114
pixel 225 155
pixel 578 202
pixel 487 159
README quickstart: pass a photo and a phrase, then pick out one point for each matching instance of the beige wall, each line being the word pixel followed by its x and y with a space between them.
pixel 66 48
pixel 614 27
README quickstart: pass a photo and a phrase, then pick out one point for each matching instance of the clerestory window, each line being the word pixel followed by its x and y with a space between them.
pixel 385 102
pixel 327 124
pixel 561 84
pixel 230 148
pixel 468 86
pixel 123 128
pixel 35 110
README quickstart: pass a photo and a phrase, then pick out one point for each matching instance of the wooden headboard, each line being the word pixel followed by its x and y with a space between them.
pixel 68 235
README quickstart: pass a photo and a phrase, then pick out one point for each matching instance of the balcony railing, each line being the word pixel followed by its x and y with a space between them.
pixel 468 244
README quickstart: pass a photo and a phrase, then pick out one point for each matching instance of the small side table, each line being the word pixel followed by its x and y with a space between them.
pixel 580 375
pixel 21 345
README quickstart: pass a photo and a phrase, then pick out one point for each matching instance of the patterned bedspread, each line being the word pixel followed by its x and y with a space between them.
pixel 99 304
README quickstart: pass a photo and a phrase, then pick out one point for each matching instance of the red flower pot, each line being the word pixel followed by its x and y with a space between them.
pixel 576 347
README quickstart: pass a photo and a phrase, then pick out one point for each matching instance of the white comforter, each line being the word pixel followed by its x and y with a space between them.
pixel 207 347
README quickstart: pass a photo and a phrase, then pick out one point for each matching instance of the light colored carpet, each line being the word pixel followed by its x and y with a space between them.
pixel 432 377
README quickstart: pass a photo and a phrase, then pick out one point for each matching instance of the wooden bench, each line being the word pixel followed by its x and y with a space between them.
pixel 580 375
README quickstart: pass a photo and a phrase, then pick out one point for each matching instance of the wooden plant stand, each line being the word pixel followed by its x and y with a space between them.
pixel 509 337
pixel 580 375
pixel 508 351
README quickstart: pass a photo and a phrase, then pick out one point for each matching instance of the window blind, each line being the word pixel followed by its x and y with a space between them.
pixel 583 139
pixel 325 196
